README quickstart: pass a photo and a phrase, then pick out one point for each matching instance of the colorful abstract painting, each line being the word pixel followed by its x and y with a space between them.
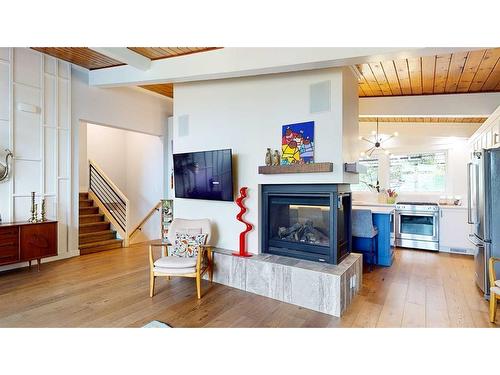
pixel 297 143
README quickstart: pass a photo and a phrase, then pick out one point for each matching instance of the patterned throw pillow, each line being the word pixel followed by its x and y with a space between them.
pixel 187 245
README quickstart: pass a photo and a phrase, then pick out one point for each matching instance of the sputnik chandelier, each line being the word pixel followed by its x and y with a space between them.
pixel 376 140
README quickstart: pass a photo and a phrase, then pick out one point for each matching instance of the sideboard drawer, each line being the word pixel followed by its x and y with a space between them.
pixel 8 233
pixel 9 252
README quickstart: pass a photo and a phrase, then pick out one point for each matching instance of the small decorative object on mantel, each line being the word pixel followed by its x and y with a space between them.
pixel 268 157
pixel 276 158
pixel 297 143
pixel 43 212
pixel 243 239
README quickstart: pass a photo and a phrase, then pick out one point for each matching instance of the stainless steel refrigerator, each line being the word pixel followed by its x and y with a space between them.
pixel 484 211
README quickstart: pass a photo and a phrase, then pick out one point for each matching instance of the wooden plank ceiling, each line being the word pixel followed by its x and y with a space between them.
pixel 81 56
pixel 463 72
pixel 166 89
pixel 91 59
pixel 459 120
pixel 155 53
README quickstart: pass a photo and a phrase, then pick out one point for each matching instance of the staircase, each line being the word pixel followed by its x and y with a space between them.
pixel 95 232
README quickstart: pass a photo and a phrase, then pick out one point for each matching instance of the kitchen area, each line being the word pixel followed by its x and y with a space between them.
pixel 431 189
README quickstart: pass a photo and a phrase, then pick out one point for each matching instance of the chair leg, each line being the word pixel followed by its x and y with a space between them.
pixel 151 285
pixel 198 285
pixel 493 307
pixel 372 252
pixel 210 267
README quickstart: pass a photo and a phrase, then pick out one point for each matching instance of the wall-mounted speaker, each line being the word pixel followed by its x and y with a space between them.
pixel 320 97
pixel 183 126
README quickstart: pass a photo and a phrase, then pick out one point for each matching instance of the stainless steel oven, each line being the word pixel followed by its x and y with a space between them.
pixel 417 225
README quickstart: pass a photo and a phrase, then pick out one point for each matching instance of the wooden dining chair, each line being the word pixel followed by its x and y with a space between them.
pixel 494 288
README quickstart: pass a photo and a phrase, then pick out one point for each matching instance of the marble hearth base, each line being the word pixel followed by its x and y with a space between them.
pixel 317 286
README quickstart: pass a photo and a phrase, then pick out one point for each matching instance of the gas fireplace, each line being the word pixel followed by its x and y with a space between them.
pixel 310 222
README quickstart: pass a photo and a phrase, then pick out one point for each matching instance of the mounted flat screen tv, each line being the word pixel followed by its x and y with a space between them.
pixel 204 175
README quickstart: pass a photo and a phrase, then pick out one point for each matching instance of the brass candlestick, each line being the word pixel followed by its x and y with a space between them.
pixel 43 211
pixel 33 218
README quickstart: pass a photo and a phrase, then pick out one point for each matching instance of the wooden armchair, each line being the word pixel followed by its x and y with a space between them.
pixel 494 288
pixel 184 266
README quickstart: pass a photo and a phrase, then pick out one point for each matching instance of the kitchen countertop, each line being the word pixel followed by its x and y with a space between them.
pixel 375 205
pixel 376 209
pixel 450 207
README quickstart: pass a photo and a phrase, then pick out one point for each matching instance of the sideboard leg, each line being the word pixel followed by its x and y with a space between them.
pixel 29 264
pixel 38 261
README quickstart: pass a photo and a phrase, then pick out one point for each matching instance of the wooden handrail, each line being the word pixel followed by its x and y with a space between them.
pixel 146 218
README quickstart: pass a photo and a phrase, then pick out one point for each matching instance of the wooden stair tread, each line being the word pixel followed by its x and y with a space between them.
pixel 88 210
pixel 97 236
pixel 101 243
pixel 85 225
pixel 90 215
pixel 97 233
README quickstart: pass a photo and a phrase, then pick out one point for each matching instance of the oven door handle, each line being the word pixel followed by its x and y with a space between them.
pixel 414 213
pixel 475 241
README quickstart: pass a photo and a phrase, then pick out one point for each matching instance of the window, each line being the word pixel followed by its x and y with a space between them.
pixel 368 178
pixel 423 172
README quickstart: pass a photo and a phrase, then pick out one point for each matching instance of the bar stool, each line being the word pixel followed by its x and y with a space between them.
pixel 362 227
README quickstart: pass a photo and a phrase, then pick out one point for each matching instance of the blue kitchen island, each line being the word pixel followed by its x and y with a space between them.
pixel 382 219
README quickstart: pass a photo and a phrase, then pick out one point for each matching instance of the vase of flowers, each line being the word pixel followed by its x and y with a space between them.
pixel 391 196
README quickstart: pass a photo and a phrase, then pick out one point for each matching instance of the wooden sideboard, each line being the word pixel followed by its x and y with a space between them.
pixel 24 242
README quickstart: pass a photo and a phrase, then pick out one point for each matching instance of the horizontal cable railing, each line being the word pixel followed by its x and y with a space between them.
pixel 109 196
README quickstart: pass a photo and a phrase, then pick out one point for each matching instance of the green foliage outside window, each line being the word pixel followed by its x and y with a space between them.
pixel 425 172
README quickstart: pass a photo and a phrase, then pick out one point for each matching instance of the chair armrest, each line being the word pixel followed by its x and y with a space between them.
pixel 203 249
pixel 164 247
pixel 491 267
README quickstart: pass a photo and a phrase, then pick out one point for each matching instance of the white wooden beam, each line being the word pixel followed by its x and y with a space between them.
pixel 126 56
pixel 243 62
pixel 447 105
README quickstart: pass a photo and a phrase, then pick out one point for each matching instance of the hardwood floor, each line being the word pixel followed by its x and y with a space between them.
pixel 110 289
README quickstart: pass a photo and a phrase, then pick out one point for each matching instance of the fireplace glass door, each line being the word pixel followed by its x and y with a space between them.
pixel 300 221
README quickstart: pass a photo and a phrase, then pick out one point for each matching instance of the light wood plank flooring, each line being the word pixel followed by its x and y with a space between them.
pixel 110 289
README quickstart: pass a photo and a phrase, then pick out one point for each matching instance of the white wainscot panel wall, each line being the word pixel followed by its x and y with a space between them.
pixel 35 125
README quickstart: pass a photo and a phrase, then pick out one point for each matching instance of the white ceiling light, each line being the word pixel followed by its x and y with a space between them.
pixel 376 140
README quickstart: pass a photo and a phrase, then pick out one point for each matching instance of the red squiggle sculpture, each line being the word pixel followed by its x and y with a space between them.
pixel 243 239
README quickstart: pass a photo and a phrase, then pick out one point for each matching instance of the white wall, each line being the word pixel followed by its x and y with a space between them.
pixel 107 147
pixel 424 137
pixel 247 115
pixel 134 162
pixel 39 138
pixel 145 182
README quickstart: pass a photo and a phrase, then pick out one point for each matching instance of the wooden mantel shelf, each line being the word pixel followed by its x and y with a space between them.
pixel 296 168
